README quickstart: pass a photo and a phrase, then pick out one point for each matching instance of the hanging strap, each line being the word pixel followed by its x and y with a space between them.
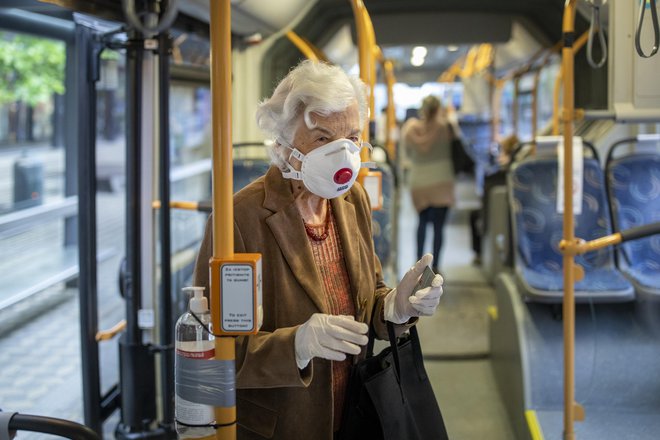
pixel 656 30
pixel 417 352
pixel 595 26
pixel 5 418
pixel 395 356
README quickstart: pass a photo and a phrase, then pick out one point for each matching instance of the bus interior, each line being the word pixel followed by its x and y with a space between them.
pixel 107 149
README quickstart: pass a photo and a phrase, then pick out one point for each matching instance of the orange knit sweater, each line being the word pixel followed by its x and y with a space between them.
pixel 329 259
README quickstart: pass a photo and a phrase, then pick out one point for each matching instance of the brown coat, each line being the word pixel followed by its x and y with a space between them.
pixel 274 398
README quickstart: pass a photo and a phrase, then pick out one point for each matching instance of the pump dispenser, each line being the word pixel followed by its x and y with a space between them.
pixel 194 347
pixel 198 303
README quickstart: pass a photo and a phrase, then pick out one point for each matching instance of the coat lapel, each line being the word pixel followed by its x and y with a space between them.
pixel 289 232
pixel 346 220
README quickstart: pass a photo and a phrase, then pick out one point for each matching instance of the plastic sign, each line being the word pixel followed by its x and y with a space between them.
pixel 373 184
pixel 238 283
pixel 578 172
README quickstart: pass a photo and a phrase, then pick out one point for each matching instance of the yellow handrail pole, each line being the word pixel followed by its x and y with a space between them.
pixel 318 52
pixel 302 45
pixel 497 102
pixel 363 50
pixel 177 204
pixel 390 114
pixel 556 93
pixel 373 49
pixel 223 207
pixel 535 103
pixel 390 145
pixel 365 54
pixel 567 60
pixel 516 107
pixel 535 97
pixel 598 243
pixel 579 43
pixel 105 335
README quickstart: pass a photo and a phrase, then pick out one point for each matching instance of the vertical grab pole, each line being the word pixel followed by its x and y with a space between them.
pixel 556 95
pixel 388 68
pixel 516 105
pixel 569 230
pixel 558 81
pixel 373 49
pixel 364 54
pixel 223 208
pixel 535 104
pixel 497 102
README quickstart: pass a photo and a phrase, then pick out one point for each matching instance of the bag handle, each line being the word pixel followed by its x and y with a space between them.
pixel 395 350
pixel 417 352
pixel 395 355
pixel 370 344
pixel 416 348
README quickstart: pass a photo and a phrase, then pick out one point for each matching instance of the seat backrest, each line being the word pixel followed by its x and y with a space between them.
pixel 634 188
pixel 247 170
pixel 537 225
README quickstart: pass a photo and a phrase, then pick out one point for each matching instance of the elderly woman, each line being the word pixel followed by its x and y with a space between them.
pixel 322 282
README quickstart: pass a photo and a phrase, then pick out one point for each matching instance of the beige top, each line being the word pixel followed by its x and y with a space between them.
pixel 432 173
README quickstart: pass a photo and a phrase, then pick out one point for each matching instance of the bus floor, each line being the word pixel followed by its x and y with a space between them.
pixel 455 341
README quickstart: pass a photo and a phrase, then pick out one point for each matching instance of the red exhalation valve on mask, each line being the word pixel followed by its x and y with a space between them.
pixel 343 176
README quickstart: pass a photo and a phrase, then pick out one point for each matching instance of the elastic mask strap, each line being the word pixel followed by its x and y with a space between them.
pixel 291 173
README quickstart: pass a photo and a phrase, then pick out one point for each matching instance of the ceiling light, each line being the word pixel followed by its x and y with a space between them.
pixel 417 61
pixel 419 52
pixel 452 48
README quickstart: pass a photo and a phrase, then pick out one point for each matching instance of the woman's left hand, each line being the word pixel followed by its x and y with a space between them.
pixel 401 304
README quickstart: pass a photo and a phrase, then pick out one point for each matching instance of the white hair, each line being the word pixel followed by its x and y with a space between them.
pixel 310 87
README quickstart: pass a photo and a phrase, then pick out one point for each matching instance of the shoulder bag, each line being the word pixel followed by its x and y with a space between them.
pixel 389 395
pixel 462 161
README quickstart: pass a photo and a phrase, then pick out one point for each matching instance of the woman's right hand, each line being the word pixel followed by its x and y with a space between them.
pixel 329 337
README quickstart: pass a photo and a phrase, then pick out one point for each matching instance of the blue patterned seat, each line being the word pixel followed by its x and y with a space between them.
pixel 634 189
pixel 538 230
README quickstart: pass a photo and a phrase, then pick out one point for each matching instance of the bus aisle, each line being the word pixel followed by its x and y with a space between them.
pixel 455 341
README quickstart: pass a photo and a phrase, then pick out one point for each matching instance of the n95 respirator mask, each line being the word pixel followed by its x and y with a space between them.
pixel 327 171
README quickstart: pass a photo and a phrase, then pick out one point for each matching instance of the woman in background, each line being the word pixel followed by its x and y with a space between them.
pixel 428 143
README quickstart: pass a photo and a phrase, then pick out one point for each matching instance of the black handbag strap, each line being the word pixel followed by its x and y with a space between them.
pixel 395 350
pixel 416 348
pixel 417 351
pixel 370 344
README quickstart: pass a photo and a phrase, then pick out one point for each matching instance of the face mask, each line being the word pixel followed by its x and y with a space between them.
pixel 327 171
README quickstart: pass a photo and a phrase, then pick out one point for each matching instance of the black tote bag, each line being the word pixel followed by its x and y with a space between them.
pixel 389 395
pixel 461 160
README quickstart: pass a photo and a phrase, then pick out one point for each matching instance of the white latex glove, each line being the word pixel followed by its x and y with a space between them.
pixel 329 337
pixel 400 304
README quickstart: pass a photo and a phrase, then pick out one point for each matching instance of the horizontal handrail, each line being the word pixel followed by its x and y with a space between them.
pixel 67 273
pixel 203 206
pixel 50 425
pixel 19 221
pixel 183 172
pixel 105 335
pixel 580 246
